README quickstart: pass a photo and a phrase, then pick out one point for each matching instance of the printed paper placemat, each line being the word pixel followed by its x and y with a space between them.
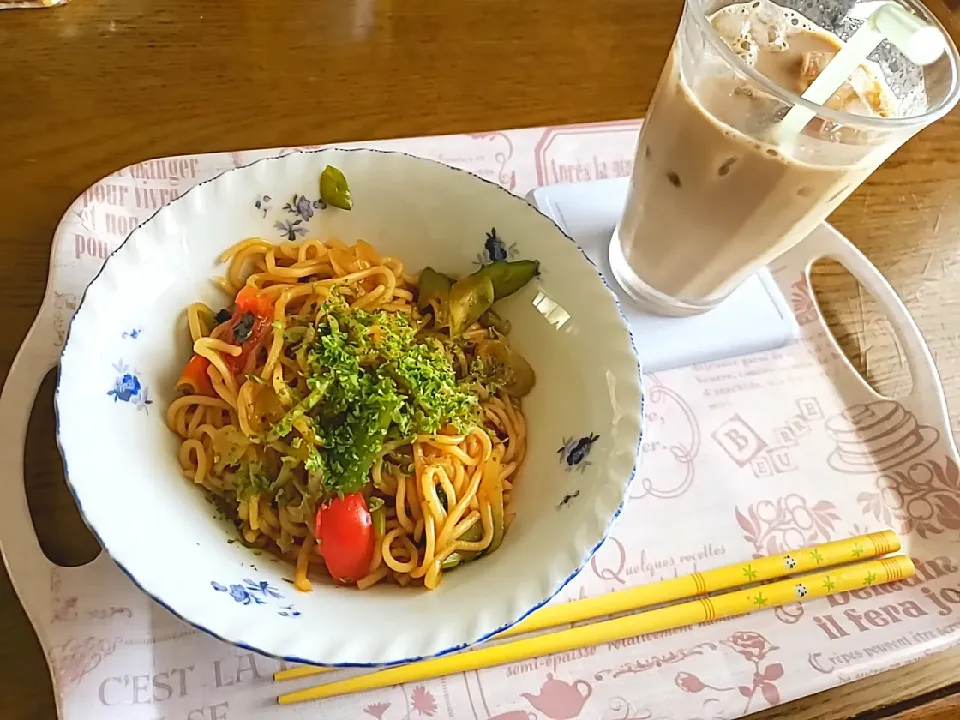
pixel 743 457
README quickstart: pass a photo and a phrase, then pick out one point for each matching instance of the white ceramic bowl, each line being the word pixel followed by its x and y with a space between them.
pixel 128 342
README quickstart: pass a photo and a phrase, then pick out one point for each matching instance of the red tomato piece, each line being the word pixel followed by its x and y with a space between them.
pixel 194 377
pixel 260 326
pixel 345 531
pixel 249 299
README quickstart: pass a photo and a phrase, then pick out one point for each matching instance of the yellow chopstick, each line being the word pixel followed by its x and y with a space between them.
pixel 704 609
pixel 817 557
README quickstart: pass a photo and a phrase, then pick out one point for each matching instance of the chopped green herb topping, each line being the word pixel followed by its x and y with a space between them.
pixel 378 381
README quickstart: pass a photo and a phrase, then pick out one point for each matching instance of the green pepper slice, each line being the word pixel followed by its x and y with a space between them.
pixel 334 190
pixel 434 291
pixel 508 277
pixel 469 299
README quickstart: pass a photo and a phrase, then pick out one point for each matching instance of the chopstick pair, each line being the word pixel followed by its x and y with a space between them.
pixel 829 555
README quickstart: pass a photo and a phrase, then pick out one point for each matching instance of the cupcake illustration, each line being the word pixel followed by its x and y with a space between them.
pixel 877 436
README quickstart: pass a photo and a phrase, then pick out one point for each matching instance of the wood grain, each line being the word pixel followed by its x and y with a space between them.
pixel 892 694
pixel 98 84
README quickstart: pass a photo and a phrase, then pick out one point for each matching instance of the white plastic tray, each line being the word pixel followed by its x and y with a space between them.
pixel 743 456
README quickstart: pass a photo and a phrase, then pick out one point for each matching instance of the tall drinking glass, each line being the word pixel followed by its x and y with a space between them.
pixel 716 191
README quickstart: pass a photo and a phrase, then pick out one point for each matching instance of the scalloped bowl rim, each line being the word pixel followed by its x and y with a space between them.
pixel 237 642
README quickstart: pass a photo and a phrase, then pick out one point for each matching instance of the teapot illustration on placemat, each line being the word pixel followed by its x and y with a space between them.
pixel 559 700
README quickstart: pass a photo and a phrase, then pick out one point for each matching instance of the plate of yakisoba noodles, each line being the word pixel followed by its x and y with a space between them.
pixel 349 407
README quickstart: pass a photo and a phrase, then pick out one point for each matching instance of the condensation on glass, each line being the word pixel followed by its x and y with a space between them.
pixel 716 191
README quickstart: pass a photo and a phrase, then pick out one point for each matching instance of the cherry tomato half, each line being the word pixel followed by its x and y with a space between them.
pixel 194 377
pixel 249 299
pixel 253 333
pixel 345 531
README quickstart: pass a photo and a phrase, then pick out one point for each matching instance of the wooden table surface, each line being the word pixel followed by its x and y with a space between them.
pixel 99 84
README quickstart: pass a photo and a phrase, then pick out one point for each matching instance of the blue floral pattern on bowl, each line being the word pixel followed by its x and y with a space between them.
pixel 568 498
pixel 494 248
pixel 575 451
pixel 256 593
pixel 262 203
pixel 304 207
pixel 129 388
pixel 290 230
pixel 300 207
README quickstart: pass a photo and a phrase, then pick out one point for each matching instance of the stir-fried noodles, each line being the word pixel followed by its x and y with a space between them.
pixel 350 419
